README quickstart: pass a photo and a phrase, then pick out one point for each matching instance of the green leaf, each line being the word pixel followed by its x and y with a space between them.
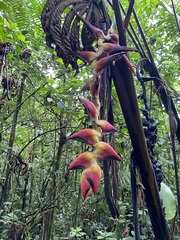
pixel 43 90
pixel 169 202
pixel 2 35
pixel 59 60
pixel 18 49
pixel 50 80
pixel 4 7
pixel 21 37
pixel 56 109
pixel 1 20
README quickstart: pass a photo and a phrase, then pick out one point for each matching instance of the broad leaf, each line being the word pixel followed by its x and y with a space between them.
pixel 169 202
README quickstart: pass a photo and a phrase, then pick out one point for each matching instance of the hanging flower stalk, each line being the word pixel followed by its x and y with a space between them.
pixel 87 161
pixel 108 45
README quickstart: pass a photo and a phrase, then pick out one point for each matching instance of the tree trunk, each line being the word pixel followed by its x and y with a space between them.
pixel 7 186
pixel 49 217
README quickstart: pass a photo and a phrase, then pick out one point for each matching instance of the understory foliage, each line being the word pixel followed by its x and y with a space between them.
pixel 39 112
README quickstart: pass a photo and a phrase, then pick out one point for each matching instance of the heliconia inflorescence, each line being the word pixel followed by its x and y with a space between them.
pixel 87 161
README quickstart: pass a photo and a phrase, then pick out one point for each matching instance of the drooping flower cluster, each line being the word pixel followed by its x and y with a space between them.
pixel 108 51
pixel 108 45
pixel 87 161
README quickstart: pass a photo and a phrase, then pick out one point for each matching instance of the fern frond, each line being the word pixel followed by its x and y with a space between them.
pixel 26 14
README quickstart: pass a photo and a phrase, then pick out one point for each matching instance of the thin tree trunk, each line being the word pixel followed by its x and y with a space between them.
pixel 49 217
pixel 7 186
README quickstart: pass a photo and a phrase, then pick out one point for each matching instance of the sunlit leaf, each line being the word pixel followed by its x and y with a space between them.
pixel 169 202
pixel 21 37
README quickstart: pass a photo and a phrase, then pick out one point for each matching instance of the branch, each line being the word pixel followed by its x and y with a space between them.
pixel 20 104
pixel 39 135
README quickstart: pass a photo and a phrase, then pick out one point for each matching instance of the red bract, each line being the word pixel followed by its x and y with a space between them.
pixel 105 151
pixel 86 188
pixel 90 180
pixel 83 161
pixel 106 126
pixel 90 108
pixel 99 66
pixel 87 135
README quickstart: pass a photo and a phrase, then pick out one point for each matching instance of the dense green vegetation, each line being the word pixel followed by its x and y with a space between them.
pixel 38 198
